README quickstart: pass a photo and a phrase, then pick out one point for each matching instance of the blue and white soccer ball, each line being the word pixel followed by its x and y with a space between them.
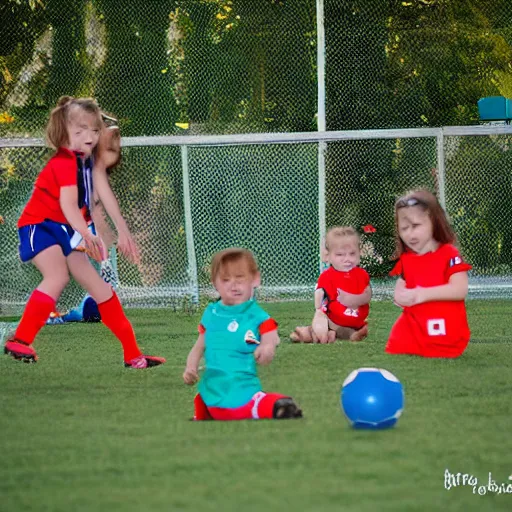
pixel 372 398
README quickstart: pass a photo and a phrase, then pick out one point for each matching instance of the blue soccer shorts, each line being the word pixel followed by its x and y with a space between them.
pixel 35 238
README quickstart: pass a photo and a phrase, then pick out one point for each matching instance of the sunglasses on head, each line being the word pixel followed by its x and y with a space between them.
pixel 404 202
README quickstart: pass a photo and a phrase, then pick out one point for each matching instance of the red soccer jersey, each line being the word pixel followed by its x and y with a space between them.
pixel 431 329
pixel 333 281
pixel 60 171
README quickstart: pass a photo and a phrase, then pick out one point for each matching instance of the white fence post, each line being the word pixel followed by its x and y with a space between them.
pixel 321 123
pixel 189 234
pixel 441 168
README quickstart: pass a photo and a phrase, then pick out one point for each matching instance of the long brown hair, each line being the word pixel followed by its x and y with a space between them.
pixel 57 127
pixel 442 231
pixel 108 136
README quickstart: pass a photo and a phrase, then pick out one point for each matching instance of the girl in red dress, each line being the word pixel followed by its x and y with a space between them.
pixel 432 283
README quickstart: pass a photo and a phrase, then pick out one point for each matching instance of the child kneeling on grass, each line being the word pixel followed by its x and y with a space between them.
pixel 432 284
pixel 235 333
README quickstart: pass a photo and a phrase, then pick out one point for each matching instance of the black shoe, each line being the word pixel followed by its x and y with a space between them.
pixel 286 408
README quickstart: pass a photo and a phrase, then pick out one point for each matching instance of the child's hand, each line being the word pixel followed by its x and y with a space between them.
pixel 94 247
pixel 126 244
pixel 320 327
pixel 190 376
pixel 407 296
pixel 265 353
pixel 343 298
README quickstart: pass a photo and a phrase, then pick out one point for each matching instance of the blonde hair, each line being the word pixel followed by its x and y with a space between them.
pixel 338 234
pixel 57 127
pixel 232 255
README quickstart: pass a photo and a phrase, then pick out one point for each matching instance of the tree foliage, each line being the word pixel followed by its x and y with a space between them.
pixel 232 66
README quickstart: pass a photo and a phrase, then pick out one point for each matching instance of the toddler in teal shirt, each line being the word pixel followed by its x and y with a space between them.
pixel 235 333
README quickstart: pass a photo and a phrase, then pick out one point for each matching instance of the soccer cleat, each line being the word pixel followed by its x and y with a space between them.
pixel 54 319
pixel 286 408
pixel 20 351
pixel 143 361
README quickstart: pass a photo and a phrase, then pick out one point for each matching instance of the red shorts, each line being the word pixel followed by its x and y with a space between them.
pixel 261 406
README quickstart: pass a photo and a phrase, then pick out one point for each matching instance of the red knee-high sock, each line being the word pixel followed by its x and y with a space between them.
pixel 266 405
pixel 112 315
pixel 200 409
pixel 37 311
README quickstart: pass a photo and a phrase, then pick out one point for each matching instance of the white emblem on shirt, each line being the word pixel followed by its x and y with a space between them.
pixel 436 327
pixel 249 337
pixel 455 261
pixel 233 326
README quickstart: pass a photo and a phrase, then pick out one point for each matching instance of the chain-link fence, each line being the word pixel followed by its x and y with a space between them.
pixel 197 67
pixel 186 202
pixel 239 66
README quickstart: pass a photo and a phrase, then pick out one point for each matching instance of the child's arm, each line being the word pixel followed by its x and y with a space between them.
pixel 69 205
pixel 267 347
pixel 399 286
pixel 190 375
pixel 319 297
pixel 107 197
pixel 320 323
pixel 455 289
pixel 355 300
pixel 102 187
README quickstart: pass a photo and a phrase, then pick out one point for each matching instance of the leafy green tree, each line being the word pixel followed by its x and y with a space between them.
pixel 136 85
pixel 249 67
pixel 135 82
pixel 22 22
pixel 68 70
pixel 443 57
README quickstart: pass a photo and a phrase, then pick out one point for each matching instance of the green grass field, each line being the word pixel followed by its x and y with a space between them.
pixel 78 432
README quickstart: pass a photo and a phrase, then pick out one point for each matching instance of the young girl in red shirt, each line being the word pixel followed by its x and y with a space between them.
pixel 432 282
pixel 52 226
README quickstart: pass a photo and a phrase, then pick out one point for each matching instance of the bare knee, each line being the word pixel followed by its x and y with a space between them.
pixel 98 289
pixel 57 280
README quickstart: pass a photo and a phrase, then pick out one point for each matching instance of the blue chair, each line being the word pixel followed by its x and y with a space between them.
pixel 495 108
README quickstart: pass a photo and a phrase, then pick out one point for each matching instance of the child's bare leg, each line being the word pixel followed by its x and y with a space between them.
pixel 360 334
pixel 302 334
pixel 88 278
pixel 341 332
pixel 111 311
pixel 52 265
pixel 320 327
